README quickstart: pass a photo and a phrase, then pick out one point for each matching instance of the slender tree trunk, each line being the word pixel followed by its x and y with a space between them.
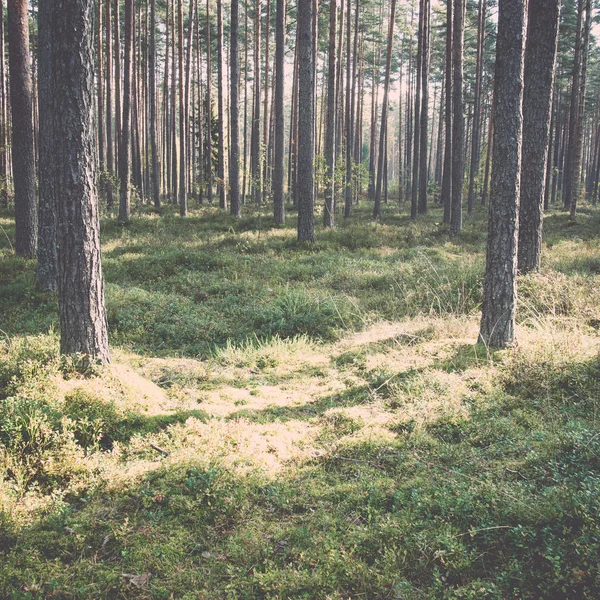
pixel 255 152
pixel 500 286
pixel 125 150
pixel 46 271
pixel 183 203
pixel 3 115
pixel 110 153
pixel 446 193
pixel 278 198
pixel 384 111
pixel 329 212
pixel 118 89
pixel 220 112
pixel 153 133
pixel 458 119
pixel 23 160
pixel 423 166
pixel 306 82
pixel 234 160
pixel 349 123
pixel 540 53
pixel 80 285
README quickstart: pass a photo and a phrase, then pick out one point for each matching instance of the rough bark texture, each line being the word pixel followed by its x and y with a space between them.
pixel 500 287
pixel 234 159
pixel 125 146
pixel 46 271
pixel 306 79
pixel 540 53
pixel 278 199
pixel 80 285
pixel 22 129
pixel 329 212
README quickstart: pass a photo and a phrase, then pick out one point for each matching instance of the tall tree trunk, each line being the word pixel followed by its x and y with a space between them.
pixel 423 166
pixel 118 88
pixel 349 116
pixel 446 193
pixel 100 86
pixel 220 101
pixel 3 115
pixel 125 150
pixel 80 285
pixel 183 203
pixel 22 128
pixel 458 119
pixel 329 212
pixel 234 159
pixel 278 155
pixel 384 110
pixel 476 137
pixel 209 115
pixel 46 271
pixel 110 153
pixel 153 133
pixel 500 286
pixel 255 152
pixel 540 53
pixel 306 82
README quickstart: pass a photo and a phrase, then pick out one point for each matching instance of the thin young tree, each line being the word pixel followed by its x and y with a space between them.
pixel 540 53
pixel 125 146
pixel 306 81
pixel 500 285
pixel 23 161
pixel 278 149
pixel 83 324
pixel 329 212
pixel 235 206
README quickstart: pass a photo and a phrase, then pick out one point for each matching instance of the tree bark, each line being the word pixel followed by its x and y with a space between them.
pixel 540 53
pixel 23 160
pixel 153 133
pixel 80 284
pixel 306 81
pixel 329 212
pixel 278 158
pixel 500 286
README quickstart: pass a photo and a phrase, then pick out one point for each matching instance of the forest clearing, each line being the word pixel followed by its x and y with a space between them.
pixel 304 421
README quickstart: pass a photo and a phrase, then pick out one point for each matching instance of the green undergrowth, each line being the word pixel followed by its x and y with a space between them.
pixel 292 421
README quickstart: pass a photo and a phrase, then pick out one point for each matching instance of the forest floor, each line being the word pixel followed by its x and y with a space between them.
pixel 304 421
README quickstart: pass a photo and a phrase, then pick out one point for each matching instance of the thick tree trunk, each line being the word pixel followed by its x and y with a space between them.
pixel 306 82
pixel 500 287
pixel 80 284
pixel 278 198
pixel 23 160
pixel 540 53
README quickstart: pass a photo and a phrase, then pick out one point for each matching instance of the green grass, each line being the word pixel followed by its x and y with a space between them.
pixel 294 421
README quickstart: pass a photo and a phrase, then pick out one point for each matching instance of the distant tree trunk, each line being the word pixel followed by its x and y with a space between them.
pixel 458 119
pixel 306 81
pixel 183 203
pixel 46 271
pixel 234 158
pixel 110 154
pixel 80 285
pixel 423 126
pixel 446 192
pixel 125 150
pixel 578 130
pixel 488 159
pixel 278 198
pixel 153 132
pixel 209 165
pixel 3 111
pixel 118 90
pixel 384 110
pixel 266 111
pixel 23 160
pixel 414 206
pixel 255 152
pixel 329 212
pixel 349 115
pixel 540 53
pixel 220 111
pixel 476 137
pixel 500 286
pixel 100 86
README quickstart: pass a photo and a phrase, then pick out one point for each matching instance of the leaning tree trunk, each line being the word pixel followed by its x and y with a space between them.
pixel 278 155
pixel 540 53
pixel 80 284
pixel 306 82
pixel 500 286
pixel 22 128
pixel 125 148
